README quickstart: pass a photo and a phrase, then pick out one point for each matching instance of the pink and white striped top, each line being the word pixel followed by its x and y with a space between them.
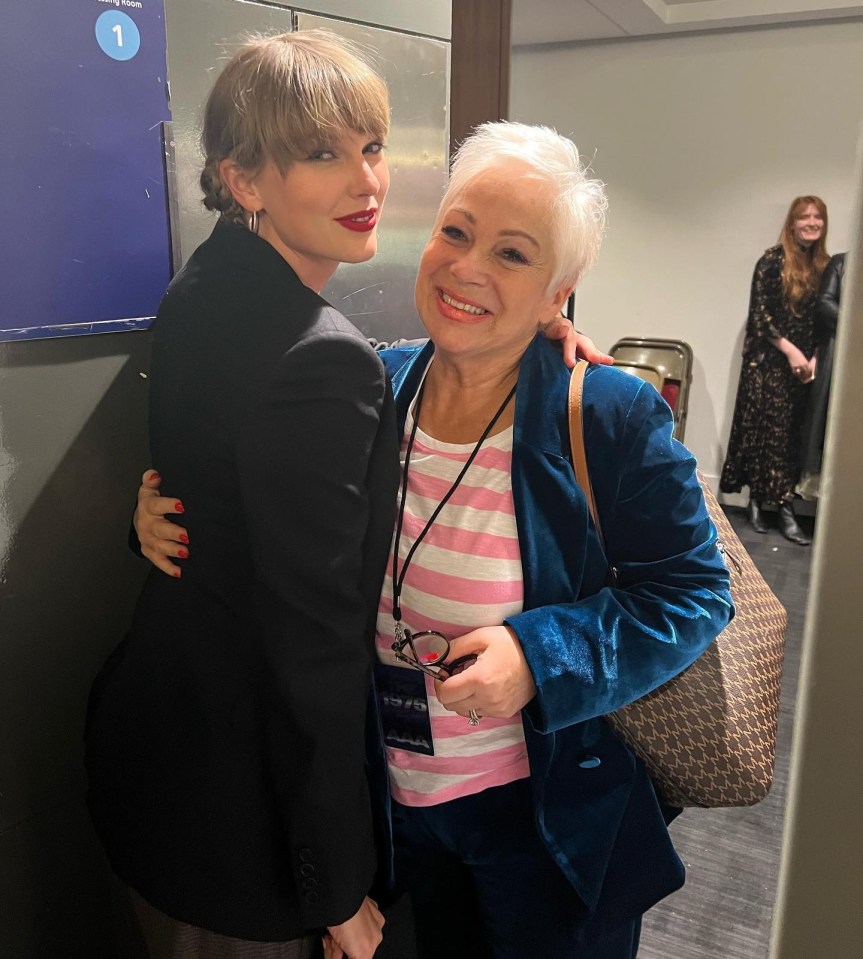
pixel 466 573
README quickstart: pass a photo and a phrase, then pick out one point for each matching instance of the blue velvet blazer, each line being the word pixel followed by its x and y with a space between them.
pixel 593 648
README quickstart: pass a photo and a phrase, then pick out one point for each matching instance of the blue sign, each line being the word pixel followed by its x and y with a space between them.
pixel 86 247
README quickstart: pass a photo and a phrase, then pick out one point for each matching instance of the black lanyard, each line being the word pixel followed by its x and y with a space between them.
pixel 399 578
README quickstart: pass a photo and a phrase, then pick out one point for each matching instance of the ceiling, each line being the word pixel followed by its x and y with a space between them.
pixel 570 21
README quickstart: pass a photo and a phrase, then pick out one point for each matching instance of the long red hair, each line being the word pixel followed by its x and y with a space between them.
pixel 803 266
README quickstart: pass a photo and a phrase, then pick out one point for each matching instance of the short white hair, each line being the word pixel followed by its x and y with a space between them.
pixel 578 201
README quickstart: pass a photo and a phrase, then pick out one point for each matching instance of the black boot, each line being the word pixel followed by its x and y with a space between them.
pixel 756 517
pixel 789 528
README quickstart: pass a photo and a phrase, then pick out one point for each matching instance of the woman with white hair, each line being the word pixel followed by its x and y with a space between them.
pixel 521 825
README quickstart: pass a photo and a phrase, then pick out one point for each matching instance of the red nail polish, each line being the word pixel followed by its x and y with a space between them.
pixel 183 553
pixel 184 539
pixel 179 508
pixel 156 476
pixel 177 574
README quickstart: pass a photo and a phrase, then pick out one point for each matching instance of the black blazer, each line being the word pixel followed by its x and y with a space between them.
pixel 225 734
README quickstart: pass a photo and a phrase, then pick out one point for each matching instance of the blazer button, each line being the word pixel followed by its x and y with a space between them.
pixel 307 869
pixel 305 855
pixel 311 898
pixel 309 883
pixel 590 762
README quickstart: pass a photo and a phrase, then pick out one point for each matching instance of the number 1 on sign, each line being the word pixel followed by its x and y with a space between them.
pixel 117 34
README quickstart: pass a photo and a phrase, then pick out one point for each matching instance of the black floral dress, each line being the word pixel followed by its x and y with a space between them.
pixel 764 446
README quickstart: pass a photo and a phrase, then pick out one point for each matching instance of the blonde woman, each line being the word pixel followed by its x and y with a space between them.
pixel 225 737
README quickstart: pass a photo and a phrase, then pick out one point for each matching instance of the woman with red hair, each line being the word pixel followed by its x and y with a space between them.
pixel 778 364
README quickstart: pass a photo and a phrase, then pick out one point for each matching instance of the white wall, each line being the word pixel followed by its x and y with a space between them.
pixel 703 141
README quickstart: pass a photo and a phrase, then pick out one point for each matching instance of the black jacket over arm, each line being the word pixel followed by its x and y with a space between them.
pixel 829 294
pixel 225 736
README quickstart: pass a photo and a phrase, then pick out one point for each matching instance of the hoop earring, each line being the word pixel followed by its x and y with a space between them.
pixel 254 222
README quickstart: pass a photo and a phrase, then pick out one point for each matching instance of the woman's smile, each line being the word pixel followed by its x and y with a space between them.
pixel 459 308
pixel 360 222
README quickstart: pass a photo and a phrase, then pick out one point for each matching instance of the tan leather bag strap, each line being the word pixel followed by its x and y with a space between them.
pixel 579 457
pixel 576 441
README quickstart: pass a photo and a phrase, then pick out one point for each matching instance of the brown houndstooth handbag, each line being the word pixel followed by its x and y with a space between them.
pixel 708 736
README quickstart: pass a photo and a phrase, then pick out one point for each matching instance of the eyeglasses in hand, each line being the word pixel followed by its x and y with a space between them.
pixel 427 651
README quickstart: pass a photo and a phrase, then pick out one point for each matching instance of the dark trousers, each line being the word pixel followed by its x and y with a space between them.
pixel 169 938
pixel 483 885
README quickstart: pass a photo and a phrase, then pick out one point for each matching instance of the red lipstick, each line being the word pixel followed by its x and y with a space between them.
pixel 360 222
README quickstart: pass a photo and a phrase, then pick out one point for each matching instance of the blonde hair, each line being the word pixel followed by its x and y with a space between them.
pixel 801 273
pixel 279 98
pixel 579 203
